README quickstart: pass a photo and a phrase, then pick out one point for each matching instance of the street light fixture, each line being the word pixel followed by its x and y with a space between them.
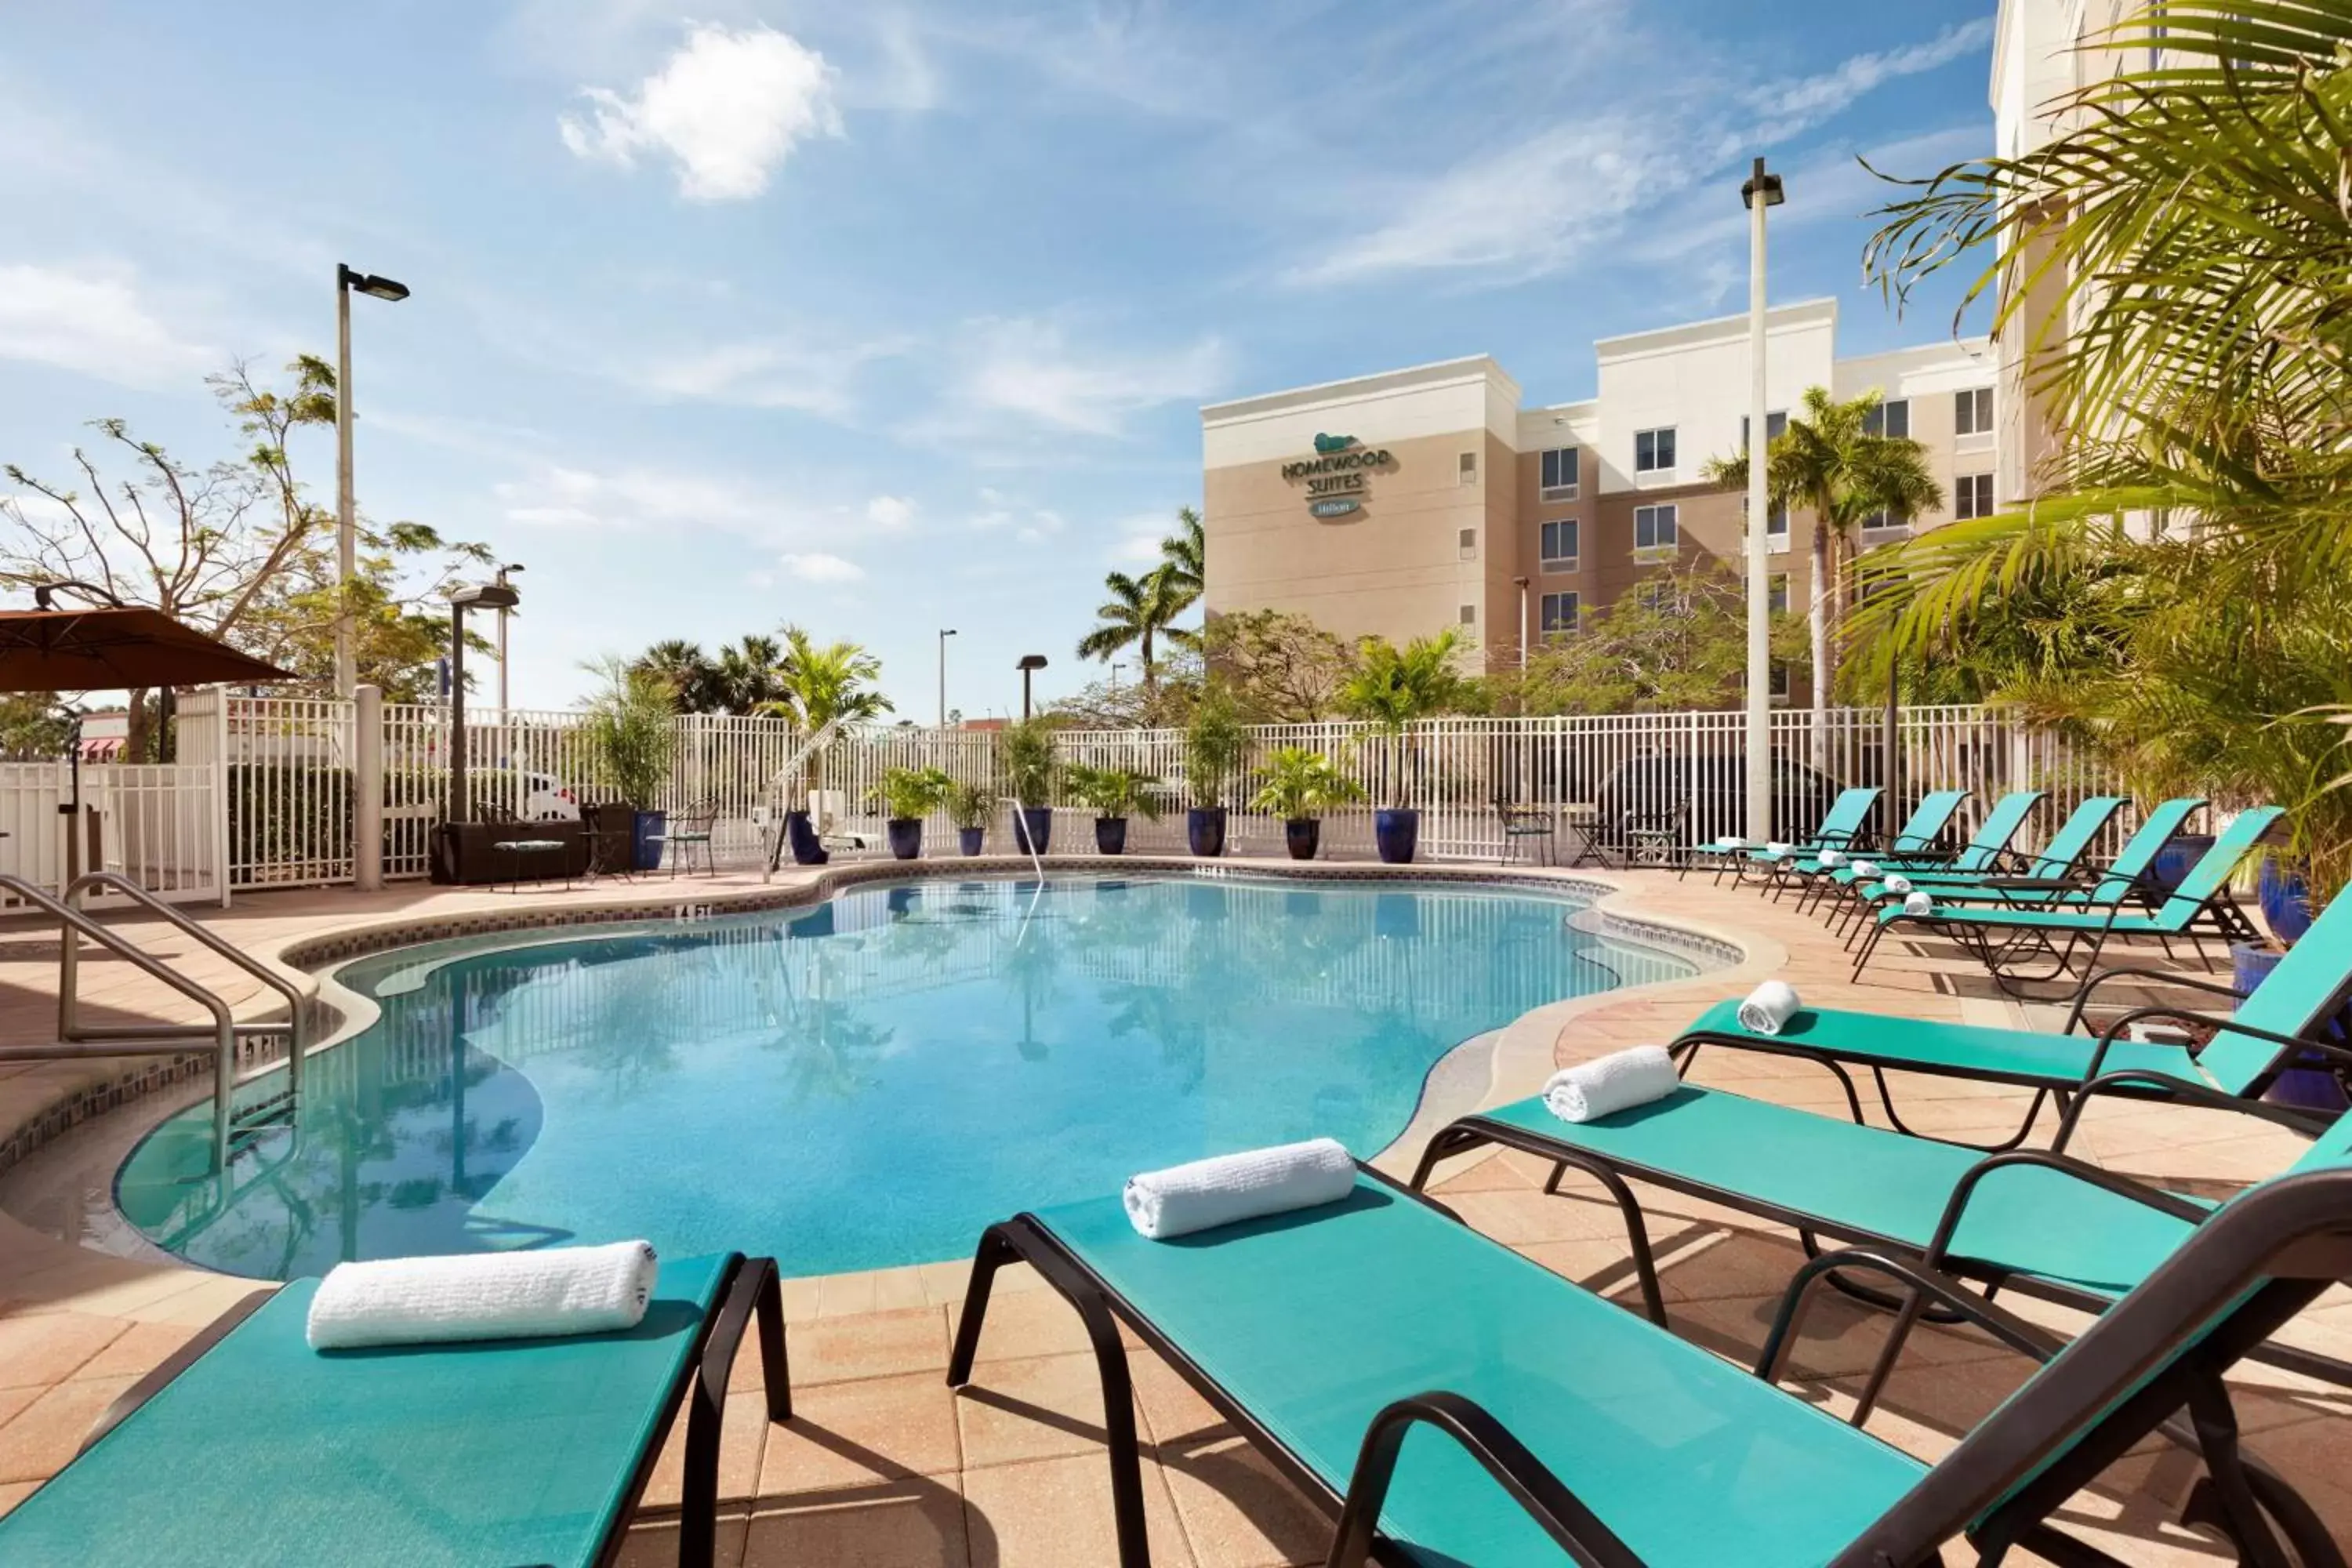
pixel 945 633
pixel 504 613
pixel 1758 824
pixel 499 597
pixel 1030 664
pixel 346 528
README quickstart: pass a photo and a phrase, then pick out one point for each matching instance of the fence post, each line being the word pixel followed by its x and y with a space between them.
pixel 367 788
pixel 222 851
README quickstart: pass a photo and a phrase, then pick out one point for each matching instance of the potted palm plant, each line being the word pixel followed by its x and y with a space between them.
pixel 907 796
pixel 1213 743
pixel 1115 793
pixel 1393 688
pixel 1297 783
pixel 821 686
pixel 1025 752
pixel 971 806
pixel 630 733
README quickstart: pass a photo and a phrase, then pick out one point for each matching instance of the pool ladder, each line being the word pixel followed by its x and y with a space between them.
pixel 77 1041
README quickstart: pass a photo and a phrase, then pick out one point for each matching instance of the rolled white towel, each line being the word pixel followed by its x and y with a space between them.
pixel 1228 1187
pixel 1731 841
pixel 488 1295
pixel 1605 1085
pixel 1866 871
pixel 1918 904
pixel 1768 1006
pixel 1832 859
pixel 1776 849
pixel 1897 885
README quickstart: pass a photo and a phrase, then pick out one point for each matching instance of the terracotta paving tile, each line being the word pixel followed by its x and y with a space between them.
pixel 742 1438
pixel 1237 1511
pixel 874 1344
pixel 141 1350
pixel 1059 1511
pixel 1029 1323
pixel 52 1346
pixel 916 1523
pixel 1036 1409
pixel 13 1492
pixel 844 1435
pixel 42 1435
pixel 655 1545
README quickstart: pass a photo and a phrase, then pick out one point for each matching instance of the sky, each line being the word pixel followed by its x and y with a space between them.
pixel 883 318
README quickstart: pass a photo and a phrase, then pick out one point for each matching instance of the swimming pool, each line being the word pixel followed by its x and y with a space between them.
pixel 868 1082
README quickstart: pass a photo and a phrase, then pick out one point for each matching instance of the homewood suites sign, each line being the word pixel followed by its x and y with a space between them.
pixel 1337 475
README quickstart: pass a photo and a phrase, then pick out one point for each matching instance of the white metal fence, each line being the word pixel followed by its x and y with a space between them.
pixel 284 770
pixel 157 822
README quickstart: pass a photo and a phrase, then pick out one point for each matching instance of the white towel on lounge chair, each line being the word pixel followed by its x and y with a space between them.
pixel 1866 871
pixel 1918 904
pixel 1618 1081
pixel 1229 1187
pixel 487 1296
pixel 1730 841
pixel 1899 886
pixel 1831 858
pixel 1768 1006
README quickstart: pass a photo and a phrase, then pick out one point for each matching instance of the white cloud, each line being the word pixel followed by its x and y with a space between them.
pixel 818 567
pixel 774 372
pixel 558 496
pixel 1790 108
pixel 93 320
pixel 1022 369
pixel 1041 526
pixel 890 513
pixel 729 106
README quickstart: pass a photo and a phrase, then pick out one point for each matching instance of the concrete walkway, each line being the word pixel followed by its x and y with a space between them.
pixel 885 1467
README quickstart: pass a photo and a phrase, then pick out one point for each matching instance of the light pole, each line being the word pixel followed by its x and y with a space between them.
pixel 347 674
pixel 1760 191
pixel 1030 664
pixel 481 597
pixel 504 612
pixel 1525 636
pixel 945 633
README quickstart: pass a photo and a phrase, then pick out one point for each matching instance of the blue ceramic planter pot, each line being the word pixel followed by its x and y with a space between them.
pixel 1204 830
pixel 971 839
pixel 2172 862
pixel 2285 898
pixel 906 836
pixel 1302 836
pixel 645 839
pixel 1111 834
pixel 1396 832
pixel 1032 829
pixel 800 834
pixel 2312 1087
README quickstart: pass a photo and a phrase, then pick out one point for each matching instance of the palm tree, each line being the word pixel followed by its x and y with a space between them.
pixel 1136 614
pixel 685 669
pixel 1393 686
pixel 747 673
pixel 1184 562
pixel 1830 463
pixel 820 685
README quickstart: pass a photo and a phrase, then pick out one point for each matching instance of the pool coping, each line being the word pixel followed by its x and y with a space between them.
pixel 1519 1055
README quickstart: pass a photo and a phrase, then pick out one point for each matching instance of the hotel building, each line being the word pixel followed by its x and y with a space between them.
pixel 1407 501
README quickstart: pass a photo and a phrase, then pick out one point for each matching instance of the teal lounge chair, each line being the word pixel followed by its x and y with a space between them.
pixel 2243 1054
pixel 1451 1403
pixel 1930 821
pixel 1984 854
pixel 2056 866
pixel 1846 823
pixel 250 1447
pixel 2199 906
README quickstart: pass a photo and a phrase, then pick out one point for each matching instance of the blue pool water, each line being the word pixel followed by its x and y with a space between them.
pixel 868 1083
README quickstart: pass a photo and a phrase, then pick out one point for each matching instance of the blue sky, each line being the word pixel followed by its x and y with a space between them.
pixel 885 316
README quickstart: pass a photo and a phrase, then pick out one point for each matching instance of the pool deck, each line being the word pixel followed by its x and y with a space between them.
pixel 884 1467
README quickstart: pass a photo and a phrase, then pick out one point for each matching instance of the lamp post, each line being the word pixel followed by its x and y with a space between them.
pixel 1525 634
pixel 1030 664
pixel 1760 191
pixel 945 633
pixel 504 612
pixel 346 529
pixel 481 597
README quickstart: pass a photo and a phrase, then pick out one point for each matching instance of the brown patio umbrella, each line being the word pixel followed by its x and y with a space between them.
pixel 112 649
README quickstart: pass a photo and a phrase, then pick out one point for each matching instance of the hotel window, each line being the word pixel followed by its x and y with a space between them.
pixel 1657 527
pixel 1776 593
pixel 1469 614
pixel 1653 451
pixel 1972 412
pixel 1469 468
pixel 1885 522
pixel 1559 474
pixel 1469 545
pixel 1559 614
pixel 1775 425
pixel 1560 545
pixel 1892 417
pixel 1776 526
pixel 1779 689
pixel 1658 595
pixel 1972 496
